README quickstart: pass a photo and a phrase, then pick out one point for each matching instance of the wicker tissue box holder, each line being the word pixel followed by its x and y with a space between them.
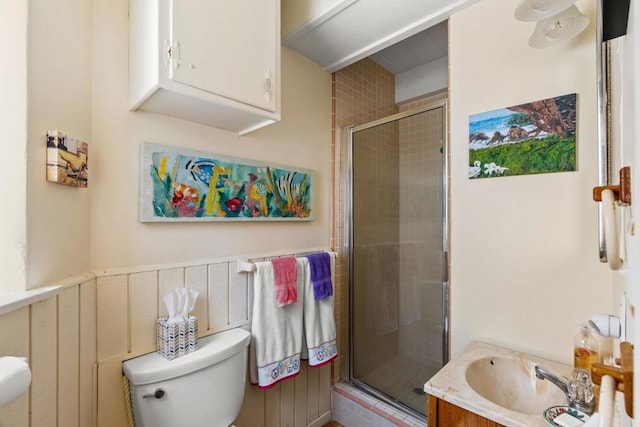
pixel 177 339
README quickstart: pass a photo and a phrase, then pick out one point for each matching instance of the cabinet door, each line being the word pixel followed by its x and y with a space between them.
pixel 444 414
pixel 227 48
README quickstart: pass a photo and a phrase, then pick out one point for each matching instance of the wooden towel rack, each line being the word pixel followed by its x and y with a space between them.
pixel 623 375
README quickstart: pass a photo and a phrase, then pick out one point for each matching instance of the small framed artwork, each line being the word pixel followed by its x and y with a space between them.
pixel 536 137
pixel 67 160
pixel 181 185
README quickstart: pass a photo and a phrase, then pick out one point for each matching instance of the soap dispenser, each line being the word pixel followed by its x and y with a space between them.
pixel 585 349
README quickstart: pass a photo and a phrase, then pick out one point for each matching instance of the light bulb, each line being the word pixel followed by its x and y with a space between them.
pixel 556 31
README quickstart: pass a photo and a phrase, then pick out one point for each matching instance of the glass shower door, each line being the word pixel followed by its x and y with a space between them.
pixel 398 239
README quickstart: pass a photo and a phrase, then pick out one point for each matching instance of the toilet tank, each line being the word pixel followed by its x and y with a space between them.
pixel 203 388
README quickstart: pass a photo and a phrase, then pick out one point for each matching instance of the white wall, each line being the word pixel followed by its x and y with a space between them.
pixel 59 97
pixel 630 133
pixel 76 72
pixel 301 139
pixel 13 122
pixel 422 80
pixel 524 259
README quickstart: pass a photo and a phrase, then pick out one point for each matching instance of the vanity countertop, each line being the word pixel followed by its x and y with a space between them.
pixel 450 383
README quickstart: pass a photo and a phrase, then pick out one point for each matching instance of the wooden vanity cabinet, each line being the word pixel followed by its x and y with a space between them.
pixel 445 414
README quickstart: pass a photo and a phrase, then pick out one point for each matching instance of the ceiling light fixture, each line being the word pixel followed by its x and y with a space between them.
pixel 536 10
pixel 565 25
pixel 556 20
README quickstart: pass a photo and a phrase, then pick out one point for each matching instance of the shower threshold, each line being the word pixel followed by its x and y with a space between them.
pixel 380 407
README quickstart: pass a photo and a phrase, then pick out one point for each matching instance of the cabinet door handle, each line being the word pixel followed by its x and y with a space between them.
pixel 167 53
pixel 172 55
pixel 177 60
pixel 269 86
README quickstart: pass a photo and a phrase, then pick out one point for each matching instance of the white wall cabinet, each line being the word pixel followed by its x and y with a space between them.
pixel 214 62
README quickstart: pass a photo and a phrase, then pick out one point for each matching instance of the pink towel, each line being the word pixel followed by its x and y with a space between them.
pixel 285 277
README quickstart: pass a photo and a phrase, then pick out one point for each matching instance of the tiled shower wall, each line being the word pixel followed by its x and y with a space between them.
pixel 361 93
pixel 364 92
pixel 375 228
pixel 421 182
pixel 410 161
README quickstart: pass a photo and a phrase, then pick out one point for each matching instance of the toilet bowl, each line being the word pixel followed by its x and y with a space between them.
pixel 203 388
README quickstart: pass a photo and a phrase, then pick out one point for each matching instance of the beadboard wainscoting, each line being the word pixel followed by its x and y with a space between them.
pixel 128 304
pixel 58 336
pixel 77 340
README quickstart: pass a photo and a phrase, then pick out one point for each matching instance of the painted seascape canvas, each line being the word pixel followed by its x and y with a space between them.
pixel 532 138
pixel 183 185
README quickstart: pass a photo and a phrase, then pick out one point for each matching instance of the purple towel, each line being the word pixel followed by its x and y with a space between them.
pixel 320 268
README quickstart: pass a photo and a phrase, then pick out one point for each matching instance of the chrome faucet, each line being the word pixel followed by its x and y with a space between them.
pixel 578 389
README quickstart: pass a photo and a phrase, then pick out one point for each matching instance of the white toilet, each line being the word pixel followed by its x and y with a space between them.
pixel 201 389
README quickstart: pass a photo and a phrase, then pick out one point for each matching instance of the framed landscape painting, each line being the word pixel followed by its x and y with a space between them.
pixel 531 138
pixel 177 184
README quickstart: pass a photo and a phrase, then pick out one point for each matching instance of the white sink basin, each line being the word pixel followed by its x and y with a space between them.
pixel 512 384
pixel 499 384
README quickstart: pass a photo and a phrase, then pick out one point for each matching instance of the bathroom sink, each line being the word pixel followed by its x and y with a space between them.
pixel 499 384
pixel 512 384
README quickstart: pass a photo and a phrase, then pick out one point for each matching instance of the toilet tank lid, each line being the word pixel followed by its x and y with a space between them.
pixel 212 349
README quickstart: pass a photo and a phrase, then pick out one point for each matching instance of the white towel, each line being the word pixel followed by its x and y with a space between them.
pixel 319 321
pixel 276 332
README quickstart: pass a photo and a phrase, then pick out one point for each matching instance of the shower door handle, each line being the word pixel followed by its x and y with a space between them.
pixel 445 266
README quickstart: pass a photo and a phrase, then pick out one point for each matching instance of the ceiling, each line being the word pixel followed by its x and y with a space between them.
pixel 357 29
pixel 421 48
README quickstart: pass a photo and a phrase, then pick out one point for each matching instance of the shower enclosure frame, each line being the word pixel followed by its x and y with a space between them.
pixel 349 226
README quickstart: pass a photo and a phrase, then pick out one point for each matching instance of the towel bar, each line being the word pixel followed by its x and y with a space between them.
pixel 245 266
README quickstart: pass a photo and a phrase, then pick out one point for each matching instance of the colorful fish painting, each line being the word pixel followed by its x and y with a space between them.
pixel 184 185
